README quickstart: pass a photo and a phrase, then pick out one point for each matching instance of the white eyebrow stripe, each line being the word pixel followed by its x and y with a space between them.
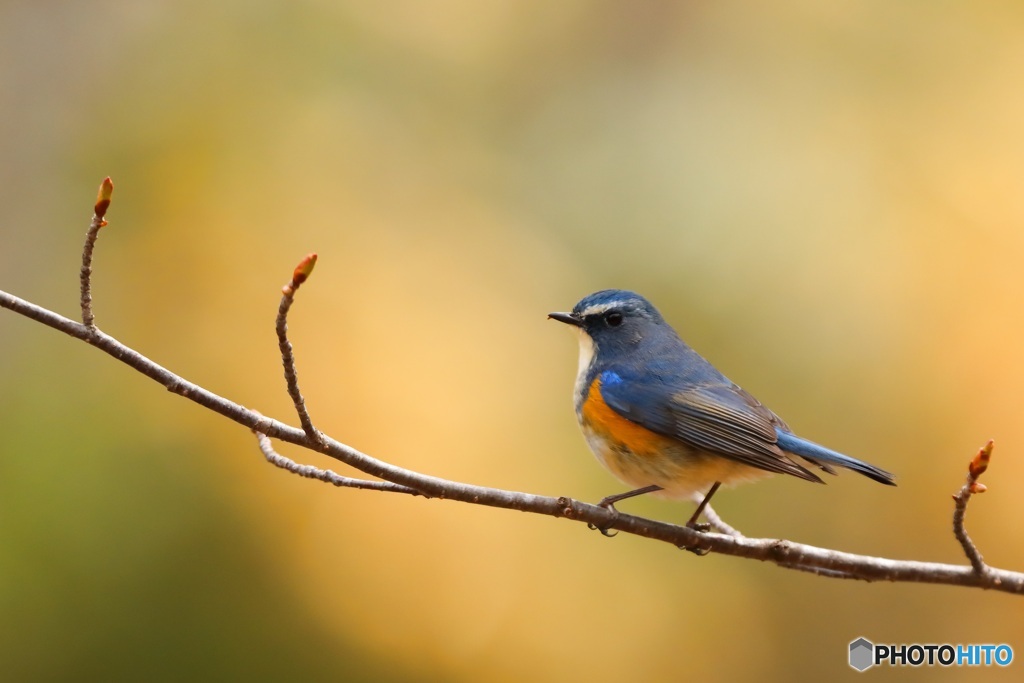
pixel 598 309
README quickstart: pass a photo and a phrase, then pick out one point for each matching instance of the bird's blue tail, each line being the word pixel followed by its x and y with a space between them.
pixel 792 443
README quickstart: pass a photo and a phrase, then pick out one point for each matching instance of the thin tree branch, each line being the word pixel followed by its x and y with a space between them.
pixel 821 571
pixel 327 476
pixel 786 554
pixel 977 467
pixel 301 273
pixel 716 522
pixel 85 276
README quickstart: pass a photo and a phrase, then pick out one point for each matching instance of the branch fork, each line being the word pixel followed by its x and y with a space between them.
pixel 971 486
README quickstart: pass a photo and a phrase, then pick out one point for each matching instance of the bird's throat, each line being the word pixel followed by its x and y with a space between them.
pixel 586 357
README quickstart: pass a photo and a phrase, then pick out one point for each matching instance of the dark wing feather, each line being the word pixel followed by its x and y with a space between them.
pixel 719 418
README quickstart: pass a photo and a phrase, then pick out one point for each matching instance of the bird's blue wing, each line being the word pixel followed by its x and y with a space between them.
pixel 718 417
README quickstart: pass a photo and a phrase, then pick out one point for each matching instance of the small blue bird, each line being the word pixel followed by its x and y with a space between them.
pixel 663 419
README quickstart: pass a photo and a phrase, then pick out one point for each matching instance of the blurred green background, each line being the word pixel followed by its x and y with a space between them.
pixel 824 198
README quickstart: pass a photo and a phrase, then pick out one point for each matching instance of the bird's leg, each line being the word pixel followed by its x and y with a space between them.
pixel 608 503
pixel 692 524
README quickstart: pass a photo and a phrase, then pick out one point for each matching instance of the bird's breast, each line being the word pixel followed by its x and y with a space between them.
pixel 640 457
pixel 604 422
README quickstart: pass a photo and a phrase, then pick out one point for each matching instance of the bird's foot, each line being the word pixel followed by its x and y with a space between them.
pixel 696 550
pixel 699 527
pixel 608 504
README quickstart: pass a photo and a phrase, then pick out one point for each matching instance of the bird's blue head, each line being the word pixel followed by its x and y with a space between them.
pixel 614 321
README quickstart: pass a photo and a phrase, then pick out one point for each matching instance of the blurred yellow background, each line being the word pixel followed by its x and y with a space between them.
pixel 824 198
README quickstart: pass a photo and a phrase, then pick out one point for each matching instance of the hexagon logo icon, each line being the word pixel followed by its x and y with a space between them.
pixel 862 654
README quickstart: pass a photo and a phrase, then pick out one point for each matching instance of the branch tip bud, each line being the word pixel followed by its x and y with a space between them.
pixel 304 269
pixel 980 462
pixel 106 191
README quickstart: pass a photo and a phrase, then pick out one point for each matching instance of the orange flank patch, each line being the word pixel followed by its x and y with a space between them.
pixel 605 422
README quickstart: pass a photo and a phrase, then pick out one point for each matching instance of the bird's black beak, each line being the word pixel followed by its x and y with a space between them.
pixel 567 318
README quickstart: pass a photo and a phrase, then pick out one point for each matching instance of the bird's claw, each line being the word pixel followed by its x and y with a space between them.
pixel 606 529
pixel 699 527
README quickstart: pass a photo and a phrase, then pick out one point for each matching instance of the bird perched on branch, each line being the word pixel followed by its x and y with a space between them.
pixel 662 419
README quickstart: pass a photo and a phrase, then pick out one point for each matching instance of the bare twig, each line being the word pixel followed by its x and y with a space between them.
pixel 300 275
pixel 821 571
pixel 327 476
pixel 977 467
pixel 716 522
pixel 784 553
pixel 99 211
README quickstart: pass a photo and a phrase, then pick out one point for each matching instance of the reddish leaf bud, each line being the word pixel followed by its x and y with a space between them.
pixel 103 197
pixel 980 462
pixel 304 269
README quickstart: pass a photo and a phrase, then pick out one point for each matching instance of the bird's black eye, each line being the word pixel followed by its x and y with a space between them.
pixel 614 319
